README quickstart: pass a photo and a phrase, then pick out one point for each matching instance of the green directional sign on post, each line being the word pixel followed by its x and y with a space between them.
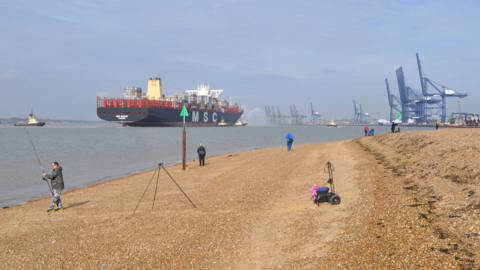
pixel 184 112
pixel 399 116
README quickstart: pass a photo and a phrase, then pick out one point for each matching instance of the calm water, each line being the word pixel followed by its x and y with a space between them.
pixel 92 152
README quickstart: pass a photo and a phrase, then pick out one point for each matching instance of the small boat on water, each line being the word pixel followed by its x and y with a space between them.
pixel 32 121
pixel 332 124
pixel 222 123
pixel 240 123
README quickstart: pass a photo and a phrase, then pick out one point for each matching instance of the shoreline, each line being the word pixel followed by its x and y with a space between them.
pixel 408 200
pixel 127 175
pixel 77 165
pixel 121 176
pixel 230 193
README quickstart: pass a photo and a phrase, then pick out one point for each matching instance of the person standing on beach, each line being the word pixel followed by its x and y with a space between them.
pixel 393 127
pixel 56 179
pixel 201 154
pixel 436 125
pixel 289 139
pixel 366 129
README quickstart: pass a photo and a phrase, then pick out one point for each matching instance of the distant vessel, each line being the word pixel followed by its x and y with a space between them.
pixel 384 122
pixel 222 123
pixel 31 121
pixel 332 124
pixel 240 123
pixel 154 109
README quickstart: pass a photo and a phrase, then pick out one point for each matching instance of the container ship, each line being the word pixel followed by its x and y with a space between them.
pixel 154 109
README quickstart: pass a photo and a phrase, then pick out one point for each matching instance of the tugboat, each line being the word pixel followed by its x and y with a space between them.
pixel 32 121
pixel 332 124
pixel 222 123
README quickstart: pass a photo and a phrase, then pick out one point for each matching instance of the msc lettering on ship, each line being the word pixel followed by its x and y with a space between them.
pixel 206 117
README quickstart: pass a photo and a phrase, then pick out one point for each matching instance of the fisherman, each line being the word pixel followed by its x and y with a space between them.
pixel 393 127
pixel 289 139
pixel 56 178
pixel 366 129
pixel 201 154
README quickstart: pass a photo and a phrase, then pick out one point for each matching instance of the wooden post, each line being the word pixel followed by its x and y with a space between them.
pixel 184 148
pixel 184 113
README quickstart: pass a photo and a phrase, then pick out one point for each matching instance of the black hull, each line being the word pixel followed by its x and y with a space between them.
pixel 40 124
pixel 164 117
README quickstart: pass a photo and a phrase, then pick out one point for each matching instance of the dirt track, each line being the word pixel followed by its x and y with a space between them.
pixel 402 207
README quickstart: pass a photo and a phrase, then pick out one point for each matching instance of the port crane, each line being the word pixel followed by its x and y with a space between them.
pixel 314 115
pixel 442 91
pixel 393 102
pixel 359 115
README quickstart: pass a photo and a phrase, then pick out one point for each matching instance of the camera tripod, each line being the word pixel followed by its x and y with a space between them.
pixel 156 173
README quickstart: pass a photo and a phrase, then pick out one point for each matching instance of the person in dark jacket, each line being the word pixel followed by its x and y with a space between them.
pixel 201 154
pixel 394 125
pixel 56 179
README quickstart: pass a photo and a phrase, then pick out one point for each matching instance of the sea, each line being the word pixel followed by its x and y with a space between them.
pixel 93 152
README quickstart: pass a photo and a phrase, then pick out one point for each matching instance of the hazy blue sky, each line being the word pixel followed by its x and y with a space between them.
pixel 57 56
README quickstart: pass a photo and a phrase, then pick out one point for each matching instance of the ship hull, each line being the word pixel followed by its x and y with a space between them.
pixel 166 117
pixel 39 124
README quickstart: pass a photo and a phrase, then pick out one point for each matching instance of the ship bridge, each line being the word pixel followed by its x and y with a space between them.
pixel 203 90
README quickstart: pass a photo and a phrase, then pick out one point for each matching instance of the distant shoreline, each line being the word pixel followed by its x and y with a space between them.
pixel 13 120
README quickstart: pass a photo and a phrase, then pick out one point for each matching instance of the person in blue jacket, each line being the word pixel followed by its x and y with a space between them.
pixel 289 139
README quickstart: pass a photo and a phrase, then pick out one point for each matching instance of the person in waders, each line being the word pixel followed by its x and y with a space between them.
pixel 56 179
pixel 289 139
pixel 201 154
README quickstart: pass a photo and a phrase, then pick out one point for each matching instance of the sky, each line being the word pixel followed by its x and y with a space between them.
pixel 58 55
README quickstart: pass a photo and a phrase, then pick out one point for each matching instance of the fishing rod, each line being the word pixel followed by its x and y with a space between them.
pixel 38 160
pixel 329 168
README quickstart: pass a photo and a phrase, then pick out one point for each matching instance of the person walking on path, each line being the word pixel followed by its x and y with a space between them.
pixel 56 179
pixel 366 129
pixel 289 139
pixel 201 154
